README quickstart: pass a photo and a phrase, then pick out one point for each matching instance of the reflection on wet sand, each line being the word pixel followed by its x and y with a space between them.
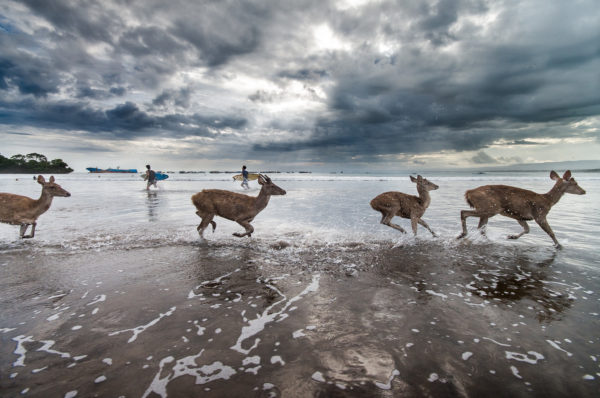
pixel 525 279
pixel 152 202
pixel 423 319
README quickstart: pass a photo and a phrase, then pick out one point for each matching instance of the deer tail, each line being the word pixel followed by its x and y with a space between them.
pixel 468 199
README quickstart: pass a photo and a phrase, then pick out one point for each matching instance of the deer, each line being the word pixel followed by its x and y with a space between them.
pixel 24 211
pixel 391 204
pixel 233 206
pixel 520 204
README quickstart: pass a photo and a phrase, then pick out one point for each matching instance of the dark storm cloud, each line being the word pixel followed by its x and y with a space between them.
pixel 84 92
pixel 87 19
pixel 262 96
pixel 303 74
pixel 124 121
pixel 523 142
pixel 342 141
pixel 501 90
pixel 409 77
pixel 29 75
pixel 220 31
pixel 18 133
pixel 437 20
pixel 144 41
pixel 180 98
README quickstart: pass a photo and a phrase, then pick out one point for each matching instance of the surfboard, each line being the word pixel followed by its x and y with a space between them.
pixel 158 176
pixel 251 177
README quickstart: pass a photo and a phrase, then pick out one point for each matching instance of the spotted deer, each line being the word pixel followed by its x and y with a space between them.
pixel 233 206
pixel 520 204
pixel 391 204
pixel 24 211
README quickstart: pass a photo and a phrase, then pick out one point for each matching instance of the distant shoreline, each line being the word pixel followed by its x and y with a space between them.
pixel 29 171
pixel 32 163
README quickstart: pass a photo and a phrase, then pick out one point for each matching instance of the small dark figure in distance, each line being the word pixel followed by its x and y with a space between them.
pixel 150 177
pixel 245 178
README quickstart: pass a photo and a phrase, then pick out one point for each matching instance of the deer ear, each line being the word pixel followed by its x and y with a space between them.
pixel 567 175
pixel 413 179
pixel 41 179
pixel 261 179
pixel 419 178
pixel 554 176
pixel 51 178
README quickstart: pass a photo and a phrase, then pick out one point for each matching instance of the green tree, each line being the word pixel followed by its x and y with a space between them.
pixel 37 157
pixel 32 163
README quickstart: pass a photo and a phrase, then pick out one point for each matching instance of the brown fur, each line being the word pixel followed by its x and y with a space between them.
pixel 391 204
pixel 517 203
pixel 24 211
pixel 233 206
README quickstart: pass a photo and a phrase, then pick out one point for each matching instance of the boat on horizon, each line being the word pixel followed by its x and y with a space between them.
pixel 109 170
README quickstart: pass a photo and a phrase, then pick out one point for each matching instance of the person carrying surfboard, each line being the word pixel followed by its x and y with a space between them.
pixel 150 177
pixel 245 178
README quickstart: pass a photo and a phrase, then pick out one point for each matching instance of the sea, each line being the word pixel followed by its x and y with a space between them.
pixel 322 300
pixel 116 211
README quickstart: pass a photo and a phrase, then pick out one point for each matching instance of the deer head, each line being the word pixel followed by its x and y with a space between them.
pixel 424 182
pixel 567 183
pixel 268 187
pixel 51 188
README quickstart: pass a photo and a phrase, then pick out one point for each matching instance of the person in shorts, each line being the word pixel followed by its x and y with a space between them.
pixel 150 177
pixel 245 178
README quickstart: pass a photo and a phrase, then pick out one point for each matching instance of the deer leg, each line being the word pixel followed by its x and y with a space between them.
pixel 22 231
pixel 206 219
pixel 32 234
pixel 546 227
pixel 202 216
pixel 463 219
pixel 482 224
pixel 413 224
pixel 387 220
pixel 522 223
pixel 249 229
pixel 423 223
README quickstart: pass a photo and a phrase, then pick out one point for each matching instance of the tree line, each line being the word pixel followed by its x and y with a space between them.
pixel 32 163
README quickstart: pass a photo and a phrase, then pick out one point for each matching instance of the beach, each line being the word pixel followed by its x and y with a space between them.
pixel 117 296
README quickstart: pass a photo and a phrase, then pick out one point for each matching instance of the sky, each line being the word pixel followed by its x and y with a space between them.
pixel 311 85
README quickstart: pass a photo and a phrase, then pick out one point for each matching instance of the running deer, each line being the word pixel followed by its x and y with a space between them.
pixel 233 206
pixel 391 204
pixel 521 204
pixel 24 211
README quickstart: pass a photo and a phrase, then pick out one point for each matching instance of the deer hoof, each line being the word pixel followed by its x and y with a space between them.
pixel 239 235
pixel 461 235
pixel 512 237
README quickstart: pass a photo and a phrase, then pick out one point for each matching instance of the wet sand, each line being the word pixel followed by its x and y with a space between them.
pixel 423 319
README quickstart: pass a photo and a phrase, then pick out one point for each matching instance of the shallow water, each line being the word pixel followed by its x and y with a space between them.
pixel 107 210
pixel 321 301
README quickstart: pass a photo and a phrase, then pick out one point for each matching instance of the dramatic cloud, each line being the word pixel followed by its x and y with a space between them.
pixel 308 82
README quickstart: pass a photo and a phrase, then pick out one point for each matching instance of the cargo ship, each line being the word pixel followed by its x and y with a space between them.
pixel 117 170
